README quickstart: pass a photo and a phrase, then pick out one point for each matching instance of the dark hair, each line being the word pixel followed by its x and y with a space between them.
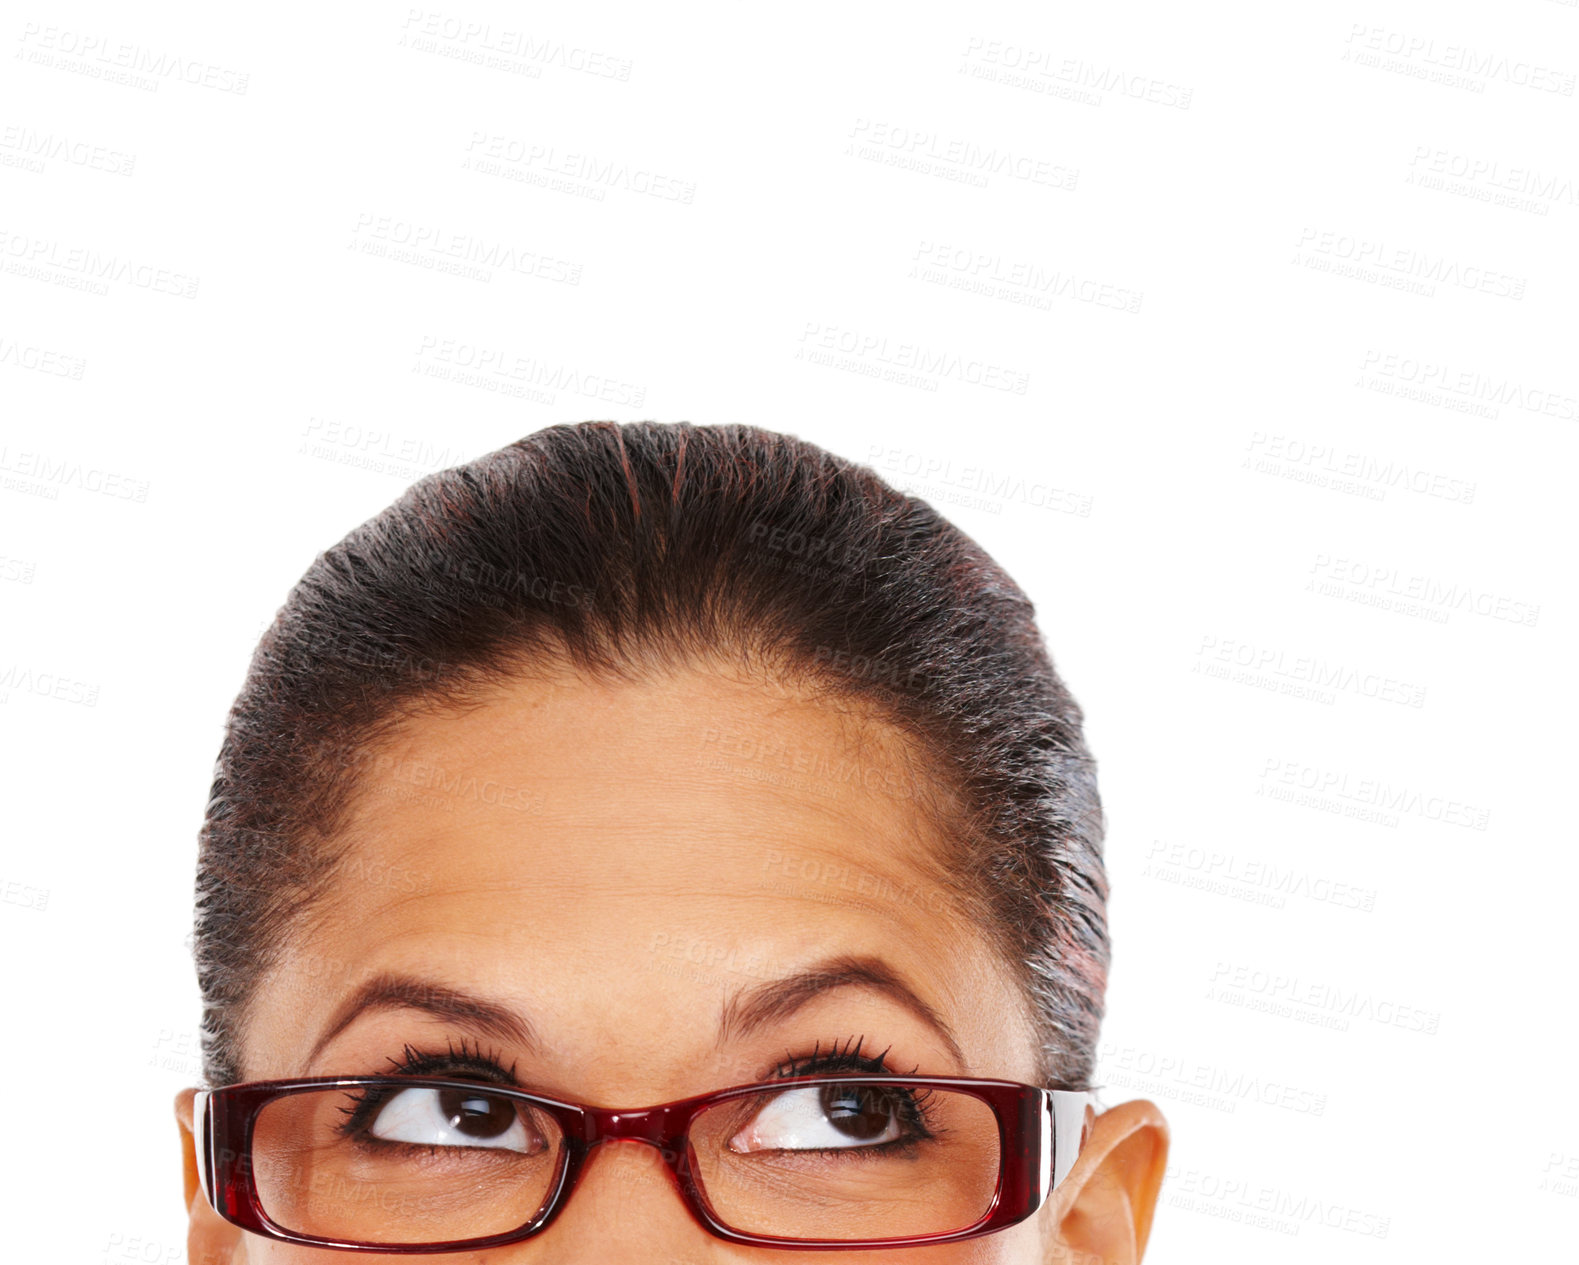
pixel 616 548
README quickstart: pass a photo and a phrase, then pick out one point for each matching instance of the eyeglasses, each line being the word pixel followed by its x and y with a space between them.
pixel 413 1164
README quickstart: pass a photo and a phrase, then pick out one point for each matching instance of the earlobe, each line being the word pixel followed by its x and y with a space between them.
pixel 210 1239
pixel 1102 1211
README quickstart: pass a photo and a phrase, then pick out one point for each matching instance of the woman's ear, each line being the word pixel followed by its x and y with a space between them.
pixel 1103 1208
pixel 210 1239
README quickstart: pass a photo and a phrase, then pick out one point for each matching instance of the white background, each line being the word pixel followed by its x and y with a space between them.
pixel 1241 335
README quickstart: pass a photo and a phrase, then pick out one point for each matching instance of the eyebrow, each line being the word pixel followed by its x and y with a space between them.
pixel 752 1009
pixel 407 992
pixel 747 1011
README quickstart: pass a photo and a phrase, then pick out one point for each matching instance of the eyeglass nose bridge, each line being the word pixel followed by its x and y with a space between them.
pixel 661 1128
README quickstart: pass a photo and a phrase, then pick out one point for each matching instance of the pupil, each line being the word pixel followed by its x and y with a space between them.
pixel 857 1111
pixel 476 1115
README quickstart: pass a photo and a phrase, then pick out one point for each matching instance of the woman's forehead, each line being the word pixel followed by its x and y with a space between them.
pixel 577 782
pixel 676 840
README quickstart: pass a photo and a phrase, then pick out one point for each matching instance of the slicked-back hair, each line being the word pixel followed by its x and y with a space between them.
pixel 617 550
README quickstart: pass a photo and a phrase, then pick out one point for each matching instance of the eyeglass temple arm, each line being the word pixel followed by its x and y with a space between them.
pixel 201 1138
pixel 1066 1124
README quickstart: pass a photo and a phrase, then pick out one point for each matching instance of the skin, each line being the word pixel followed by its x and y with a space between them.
pixel 631 861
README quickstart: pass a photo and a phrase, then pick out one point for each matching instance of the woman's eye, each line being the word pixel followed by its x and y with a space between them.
pixel 455 1117
pixel 817 1118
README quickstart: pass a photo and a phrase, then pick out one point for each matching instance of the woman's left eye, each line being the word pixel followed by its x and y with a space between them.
pixel 454 1117
pixel 820 1117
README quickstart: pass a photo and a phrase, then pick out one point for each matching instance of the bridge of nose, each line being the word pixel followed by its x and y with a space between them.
pixel 658 1154
pixel 636 1194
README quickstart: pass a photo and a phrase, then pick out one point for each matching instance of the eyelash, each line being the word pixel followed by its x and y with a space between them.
pixel 845 1057
pixel 488 1064
pixel 476 1059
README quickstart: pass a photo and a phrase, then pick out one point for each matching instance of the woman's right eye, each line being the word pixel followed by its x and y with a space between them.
pixel 455 1117
pixel 828 1118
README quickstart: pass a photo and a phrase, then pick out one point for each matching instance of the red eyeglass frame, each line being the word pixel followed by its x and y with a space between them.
pixel 1040 1133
